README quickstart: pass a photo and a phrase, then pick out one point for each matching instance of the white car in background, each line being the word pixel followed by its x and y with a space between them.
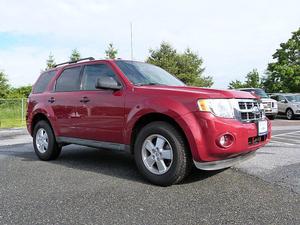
pixel 288 104
pixel 270 105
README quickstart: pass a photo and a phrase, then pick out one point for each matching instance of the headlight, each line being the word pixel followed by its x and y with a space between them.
pixel 219 107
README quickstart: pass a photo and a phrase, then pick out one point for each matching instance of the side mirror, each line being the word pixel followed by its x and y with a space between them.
pixel 283 101
pixel 106 82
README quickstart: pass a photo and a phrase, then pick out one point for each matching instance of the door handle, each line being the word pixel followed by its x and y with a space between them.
pixel 51 100
pixel 85 100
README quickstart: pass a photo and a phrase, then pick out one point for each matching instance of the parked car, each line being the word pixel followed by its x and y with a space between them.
pixel 270 105
pixel 288 104
pixel 141 108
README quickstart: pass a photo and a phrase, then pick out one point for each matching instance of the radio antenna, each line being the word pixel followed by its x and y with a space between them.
pixel 131 41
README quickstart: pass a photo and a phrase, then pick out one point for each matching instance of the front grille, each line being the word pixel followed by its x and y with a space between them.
pixel 257 139
pixel 246 112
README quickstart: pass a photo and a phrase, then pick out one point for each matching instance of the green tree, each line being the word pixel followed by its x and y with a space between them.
pixel 252 81
pixel 111 52
pixel 186 66
pixel 20 92
pixel 75 55
pixel 236 84
pixel 284 73
pixel 4 85
pixel 50 62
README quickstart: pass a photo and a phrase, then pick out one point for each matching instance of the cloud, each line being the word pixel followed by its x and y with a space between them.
pixel 232 37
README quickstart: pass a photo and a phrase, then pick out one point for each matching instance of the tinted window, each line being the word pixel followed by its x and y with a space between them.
pixel 275 97
pixel 69 80
pixel 43 82
pixel 92 72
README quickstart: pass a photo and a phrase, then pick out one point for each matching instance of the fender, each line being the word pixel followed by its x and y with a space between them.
pixel 166 106
pixel 46 110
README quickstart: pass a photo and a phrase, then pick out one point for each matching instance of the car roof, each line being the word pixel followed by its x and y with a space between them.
pixel 84 61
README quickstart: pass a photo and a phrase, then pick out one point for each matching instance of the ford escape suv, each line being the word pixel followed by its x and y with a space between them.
pixel 141 108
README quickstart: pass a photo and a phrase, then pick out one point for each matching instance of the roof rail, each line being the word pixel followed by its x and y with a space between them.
pixel 75 61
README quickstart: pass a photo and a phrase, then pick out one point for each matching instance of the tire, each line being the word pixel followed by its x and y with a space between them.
pixel 157 142
pixel 44 142
pixel 272 117
pixel 289 114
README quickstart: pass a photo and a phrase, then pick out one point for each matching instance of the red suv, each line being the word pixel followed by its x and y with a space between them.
pixel 141 108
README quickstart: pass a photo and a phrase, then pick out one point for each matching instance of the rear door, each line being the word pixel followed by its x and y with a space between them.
pixel 101 111
pixel 64 101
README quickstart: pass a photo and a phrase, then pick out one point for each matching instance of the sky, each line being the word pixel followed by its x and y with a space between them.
pixel 232 37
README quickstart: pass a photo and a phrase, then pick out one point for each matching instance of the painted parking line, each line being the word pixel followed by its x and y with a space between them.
pixel 292 132
pixel 288 138
pixel 280 142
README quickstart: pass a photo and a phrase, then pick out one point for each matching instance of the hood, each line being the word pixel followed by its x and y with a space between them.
pixel 197 91
pixel 264 100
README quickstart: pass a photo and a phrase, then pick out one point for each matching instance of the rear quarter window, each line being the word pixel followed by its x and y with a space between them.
pixel 43 81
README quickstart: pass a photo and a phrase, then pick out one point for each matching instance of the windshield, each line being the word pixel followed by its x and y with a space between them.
pixel 260 92
pixel 146 74
pixel 293 98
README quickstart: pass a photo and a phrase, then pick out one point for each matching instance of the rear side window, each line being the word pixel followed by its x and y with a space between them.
pixel 93 72
pixel 69 80
pixel 42 83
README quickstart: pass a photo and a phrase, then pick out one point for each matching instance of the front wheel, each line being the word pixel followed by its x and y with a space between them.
pixel 44 142
pixel 289 114
pixel 161 154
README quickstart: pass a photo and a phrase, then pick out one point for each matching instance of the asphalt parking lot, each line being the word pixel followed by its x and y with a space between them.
pixel 91 186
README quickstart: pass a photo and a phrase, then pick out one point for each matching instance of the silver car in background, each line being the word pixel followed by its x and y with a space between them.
pixel 288 104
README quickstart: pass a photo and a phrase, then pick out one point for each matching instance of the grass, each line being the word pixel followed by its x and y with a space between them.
pixel 11 113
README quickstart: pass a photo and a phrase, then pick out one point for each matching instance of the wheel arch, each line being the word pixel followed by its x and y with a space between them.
pixel 38 117
pixel 288 109
pixel 153 117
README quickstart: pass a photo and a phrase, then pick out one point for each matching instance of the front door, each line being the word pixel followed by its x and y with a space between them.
pixel 281 104
pixel 101 111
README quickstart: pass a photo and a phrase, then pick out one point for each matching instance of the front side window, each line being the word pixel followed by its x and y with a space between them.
pixel 146 74
pixel 92 72
pixel 43 82
pixel 69 80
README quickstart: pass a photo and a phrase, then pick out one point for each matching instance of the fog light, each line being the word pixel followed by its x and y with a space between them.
pixel 225 141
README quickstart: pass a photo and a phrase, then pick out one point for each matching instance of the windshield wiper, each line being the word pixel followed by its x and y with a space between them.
pixel 146 84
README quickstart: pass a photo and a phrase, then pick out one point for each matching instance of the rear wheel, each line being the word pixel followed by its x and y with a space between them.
pixel 289 114
pixel 44 142
pixel 161 154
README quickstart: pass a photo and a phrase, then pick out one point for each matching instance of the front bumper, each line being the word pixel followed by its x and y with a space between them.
pixel 225 163
pixel 271 111
pixel 203 130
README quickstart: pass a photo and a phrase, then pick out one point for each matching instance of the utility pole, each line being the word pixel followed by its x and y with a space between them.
pixel 131 42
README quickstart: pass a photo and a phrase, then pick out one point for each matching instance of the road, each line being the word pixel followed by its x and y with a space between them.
pixel 90 186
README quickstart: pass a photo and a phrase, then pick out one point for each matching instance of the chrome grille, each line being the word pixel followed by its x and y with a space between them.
pixel 246 112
